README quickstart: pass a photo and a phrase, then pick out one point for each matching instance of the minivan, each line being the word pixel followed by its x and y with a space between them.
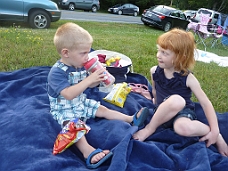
pixel 213 15
pixel 38 14
pixel 86 5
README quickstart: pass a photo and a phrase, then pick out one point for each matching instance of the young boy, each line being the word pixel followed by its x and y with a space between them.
pixel 68 79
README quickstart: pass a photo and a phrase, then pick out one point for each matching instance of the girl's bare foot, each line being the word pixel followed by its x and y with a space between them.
pixel 142 134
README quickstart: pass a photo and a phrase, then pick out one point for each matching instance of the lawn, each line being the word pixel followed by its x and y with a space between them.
pixel 23 47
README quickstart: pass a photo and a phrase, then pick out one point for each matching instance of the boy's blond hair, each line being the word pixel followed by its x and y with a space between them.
pixel 182 43
pixel 69 35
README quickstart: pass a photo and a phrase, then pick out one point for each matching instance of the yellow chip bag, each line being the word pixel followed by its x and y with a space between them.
pixel 118 94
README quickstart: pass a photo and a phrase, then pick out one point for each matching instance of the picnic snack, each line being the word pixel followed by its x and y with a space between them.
pixel 118 94
pixel 113 61
pixel 70 134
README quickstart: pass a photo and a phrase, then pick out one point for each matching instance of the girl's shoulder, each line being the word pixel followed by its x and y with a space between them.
pixel 191 80
pixel 153 69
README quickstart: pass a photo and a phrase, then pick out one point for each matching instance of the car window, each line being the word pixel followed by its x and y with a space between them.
pixel 161 9
pixel 175 14
pixel 126 6
pixel 182 16
pixel 133 6
pixel 216 16
pixel 205 12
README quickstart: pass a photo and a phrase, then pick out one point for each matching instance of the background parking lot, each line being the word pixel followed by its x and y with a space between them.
pixel 100 17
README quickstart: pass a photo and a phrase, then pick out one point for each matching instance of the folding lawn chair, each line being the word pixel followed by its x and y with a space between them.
pixel 192 26
pixel 203 33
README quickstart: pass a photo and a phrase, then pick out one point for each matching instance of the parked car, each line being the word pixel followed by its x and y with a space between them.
pixel 128 9
pixel 39 14
pixel 86 5
pixel 190 13
pixel 214 15
pixel 164 17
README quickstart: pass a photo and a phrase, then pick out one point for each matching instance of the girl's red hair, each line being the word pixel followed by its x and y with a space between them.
pixel 182 43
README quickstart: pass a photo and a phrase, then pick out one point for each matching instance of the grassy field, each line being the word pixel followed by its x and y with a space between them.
pixel 23 47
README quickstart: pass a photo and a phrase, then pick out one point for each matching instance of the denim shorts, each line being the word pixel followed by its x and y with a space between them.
pixel 186 112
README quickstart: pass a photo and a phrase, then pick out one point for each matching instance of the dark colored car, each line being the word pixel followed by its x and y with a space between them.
pixel 128 9
pixel 164 17
pixel 86 5
pixel 39 14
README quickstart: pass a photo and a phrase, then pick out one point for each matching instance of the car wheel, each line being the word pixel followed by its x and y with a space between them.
pixel 135 14
pixel 71 7
pixel 94 8
pixel 146 24
pixel 167 26
pixel 120 12
pixel 39 19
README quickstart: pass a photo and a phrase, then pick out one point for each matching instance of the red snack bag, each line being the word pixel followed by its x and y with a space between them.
pixel 70 134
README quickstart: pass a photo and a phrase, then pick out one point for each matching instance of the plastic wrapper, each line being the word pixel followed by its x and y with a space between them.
pixel 69 135
pixel 113 61
pixel 118 94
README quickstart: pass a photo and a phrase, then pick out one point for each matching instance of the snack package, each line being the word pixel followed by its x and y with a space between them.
pixel 70 134
pixel 118 94
pixel 113 61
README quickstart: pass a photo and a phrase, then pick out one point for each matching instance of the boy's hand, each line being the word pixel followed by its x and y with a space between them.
pixel 96 77
pixel 92 80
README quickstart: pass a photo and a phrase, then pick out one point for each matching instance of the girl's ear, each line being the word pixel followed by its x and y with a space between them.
pixel 64 53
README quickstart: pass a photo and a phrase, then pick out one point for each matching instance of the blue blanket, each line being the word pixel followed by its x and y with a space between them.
pixel 28 132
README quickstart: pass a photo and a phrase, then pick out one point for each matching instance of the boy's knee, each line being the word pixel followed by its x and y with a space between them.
pixel 102 111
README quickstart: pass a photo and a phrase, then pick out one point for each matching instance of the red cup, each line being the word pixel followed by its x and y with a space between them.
pixel 93 64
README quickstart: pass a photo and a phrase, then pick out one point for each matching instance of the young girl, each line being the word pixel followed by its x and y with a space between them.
pixel 172 86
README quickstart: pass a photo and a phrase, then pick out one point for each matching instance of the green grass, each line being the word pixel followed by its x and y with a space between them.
pixel 23 47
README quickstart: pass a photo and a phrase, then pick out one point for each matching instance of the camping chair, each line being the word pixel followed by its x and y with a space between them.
pixel 203 33
pixel 221 30
pixel 192 26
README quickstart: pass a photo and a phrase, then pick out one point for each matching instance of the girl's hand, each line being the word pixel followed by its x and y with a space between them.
pixel 210 138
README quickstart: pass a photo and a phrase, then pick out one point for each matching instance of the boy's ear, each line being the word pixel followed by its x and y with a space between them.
pixel 64 53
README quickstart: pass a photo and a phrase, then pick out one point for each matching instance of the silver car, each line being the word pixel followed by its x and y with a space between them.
pixel 86 5
pixel 190 13
pixel 213 15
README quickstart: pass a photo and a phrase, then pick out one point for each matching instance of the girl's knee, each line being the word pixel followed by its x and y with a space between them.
pixel 182 128
pixel 176 102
